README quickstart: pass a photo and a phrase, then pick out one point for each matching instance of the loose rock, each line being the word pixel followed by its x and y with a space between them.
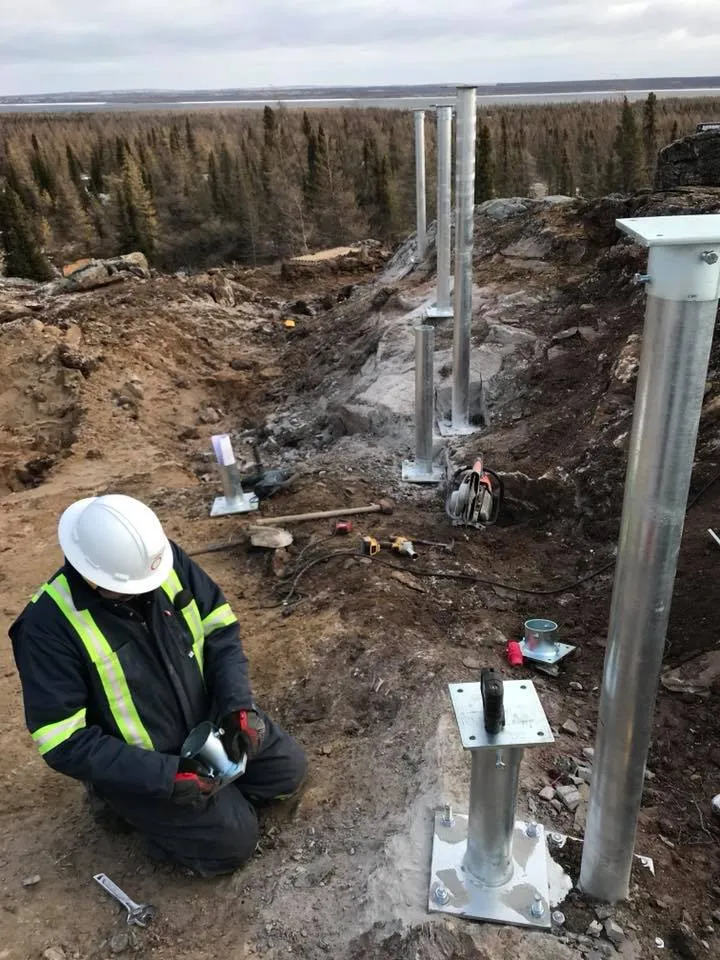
pixel 569 726
pixel 604 910
pixel 570 797
pixel 613 931
pixel 54 953
pixel 120 942
pixel 31 881
pixel 588 753
pixel 594 929
pixel 547 793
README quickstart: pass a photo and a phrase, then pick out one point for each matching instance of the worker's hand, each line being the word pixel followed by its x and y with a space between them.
pixel 244 734
pixel 190 789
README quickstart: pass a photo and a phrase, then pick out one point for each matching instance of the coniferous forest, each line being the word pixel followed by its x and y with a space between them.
pixel 204 188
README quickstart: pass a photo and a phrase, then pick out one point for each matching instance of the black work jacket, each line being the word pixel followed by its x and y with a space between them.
pixel 150 647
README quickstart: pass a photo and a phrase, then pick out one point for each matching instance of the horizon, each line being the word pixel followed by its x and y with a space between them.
pixel 712 81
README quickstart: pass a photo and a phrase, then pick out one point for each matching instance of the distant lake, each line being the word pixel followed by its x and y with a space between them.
pixel 387 103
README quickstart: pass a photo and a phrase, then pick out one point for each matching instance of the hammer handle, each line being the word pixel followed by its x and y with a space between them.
pixel 319 515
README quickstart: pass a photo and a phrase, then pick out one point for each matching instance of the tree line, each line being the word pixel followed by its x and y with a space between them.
pixel 211 187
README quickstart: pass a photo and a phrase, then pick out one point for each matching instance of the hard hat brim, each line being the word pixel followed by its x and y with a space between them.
pixel 77 560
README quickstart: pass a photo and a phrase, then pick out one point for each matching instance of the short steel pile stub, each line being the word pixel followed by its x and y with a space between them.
pixel 235 500
pixel 422 469
pixel 541 644
pixel 486 865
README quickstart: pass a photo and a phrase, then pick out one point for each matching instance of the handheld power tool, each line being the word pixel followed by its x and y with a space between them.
pixel 475 496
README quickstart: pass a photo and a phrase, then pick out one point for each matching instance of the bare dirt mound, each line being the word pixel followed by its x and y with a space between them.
pixel 353 654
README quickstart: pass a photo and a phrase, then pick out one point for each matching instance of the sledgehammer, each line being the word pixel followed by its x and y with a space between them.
pixel 383 506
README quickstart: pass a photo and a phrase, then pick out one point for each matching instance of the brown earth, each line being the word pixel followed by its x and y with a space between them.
pixel 119 390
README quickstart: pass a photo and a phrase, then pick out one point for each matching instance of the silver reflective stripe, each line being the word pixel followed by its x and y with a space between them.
pixel 221 616
pixel 53 734
pixel 107 664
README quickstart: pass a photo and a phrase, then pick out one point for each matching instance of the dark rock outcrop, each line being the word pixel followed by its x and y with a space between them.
pixel 691 162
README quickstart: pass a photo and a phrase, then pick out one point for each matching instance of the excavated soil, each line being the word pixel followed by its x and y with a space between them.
pixel 120 389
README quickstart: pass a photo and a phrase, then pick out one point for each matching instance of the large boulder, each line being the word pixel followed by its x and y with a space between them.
pixel 691 162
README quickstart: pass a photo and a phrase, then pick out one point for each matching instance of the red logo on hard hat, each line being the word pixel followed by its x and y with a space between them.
pixel 156 561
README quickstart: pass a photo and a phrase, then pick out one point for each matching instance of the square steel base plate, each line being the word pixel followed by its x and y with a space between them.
pixel 439 313
pixel 448 430
pixel 554 654
pixel 414 472
pixel 466 897
pixel 222 507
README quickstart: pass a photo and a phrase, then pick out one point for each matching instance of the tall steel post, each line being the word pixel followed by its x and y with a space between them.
pixel 683 278
pixel 443 307
pixel 420 201
pixel 464 215
pixel 423 470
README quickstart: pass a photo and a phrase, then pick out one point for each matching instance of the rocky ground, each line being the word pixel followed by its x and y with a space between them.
pixel 119 389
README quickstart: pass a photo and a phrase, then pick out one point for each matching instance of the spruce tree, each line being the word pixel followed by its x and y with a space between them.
pixel 190 138
pixel 138 221
pixel 20 241
pixel 588 164
pixel 628 149
pixel 42 172
pixel 74 170
pixel 269 127
pixel 483 164
pixel 503 169
pixel 649 133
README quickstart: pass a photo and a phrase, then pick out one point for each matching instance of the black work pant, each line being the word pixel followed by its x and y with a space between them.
pixel 220 837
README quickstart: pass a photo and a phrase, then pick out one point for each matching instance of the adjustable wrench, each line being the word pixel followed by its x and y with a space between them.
pixel 137 913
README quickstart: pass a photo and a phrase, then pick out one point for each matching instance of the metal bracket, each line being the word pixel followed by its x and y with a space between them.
pixel 224 506
pixel 543 655
pixel 523 900
pixel 446 429
pixel 439 313
pixel 416 472
pixel 525 722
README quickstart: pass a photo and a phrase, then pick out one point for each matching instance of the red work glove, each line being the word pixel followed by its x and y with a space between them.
pixel 244 734
pixel 189 788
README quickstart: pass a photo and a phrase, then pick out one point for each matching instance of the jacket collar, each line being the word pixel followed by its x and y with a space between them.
pixel 84 597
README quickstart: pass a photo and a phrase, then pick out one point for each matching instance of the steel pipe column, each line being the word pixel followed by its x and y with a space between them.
pixel 464 213
pixel 494 781
pixel 420 201
pixel 422 470
pixel 443 307
pixel 683 277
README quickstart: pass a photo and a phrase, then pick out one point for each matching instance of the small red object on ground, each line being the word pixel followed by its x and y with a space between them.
pixel 514 654
pixel 342 527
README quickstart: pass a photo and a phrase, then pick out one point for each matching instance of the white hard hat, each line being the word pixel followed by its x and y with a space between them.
pixel 116 542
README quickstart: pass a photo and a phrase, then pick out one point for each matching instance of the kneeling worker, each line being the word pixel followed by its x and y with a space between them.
pixel 121 653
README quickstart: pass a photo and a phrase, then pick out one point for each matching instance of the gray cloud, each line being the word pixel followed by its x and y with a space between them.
pixel 305 41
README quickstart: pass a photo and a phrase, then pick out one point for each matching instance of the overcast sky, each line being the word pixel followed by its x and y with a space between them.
pixel 59 45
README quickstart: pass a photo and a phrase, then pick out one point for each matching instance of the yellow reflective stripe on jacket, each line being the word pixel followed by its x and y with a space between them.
pixel 172 586
pixel 106 662
pixel 221 616
pixel 53 734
